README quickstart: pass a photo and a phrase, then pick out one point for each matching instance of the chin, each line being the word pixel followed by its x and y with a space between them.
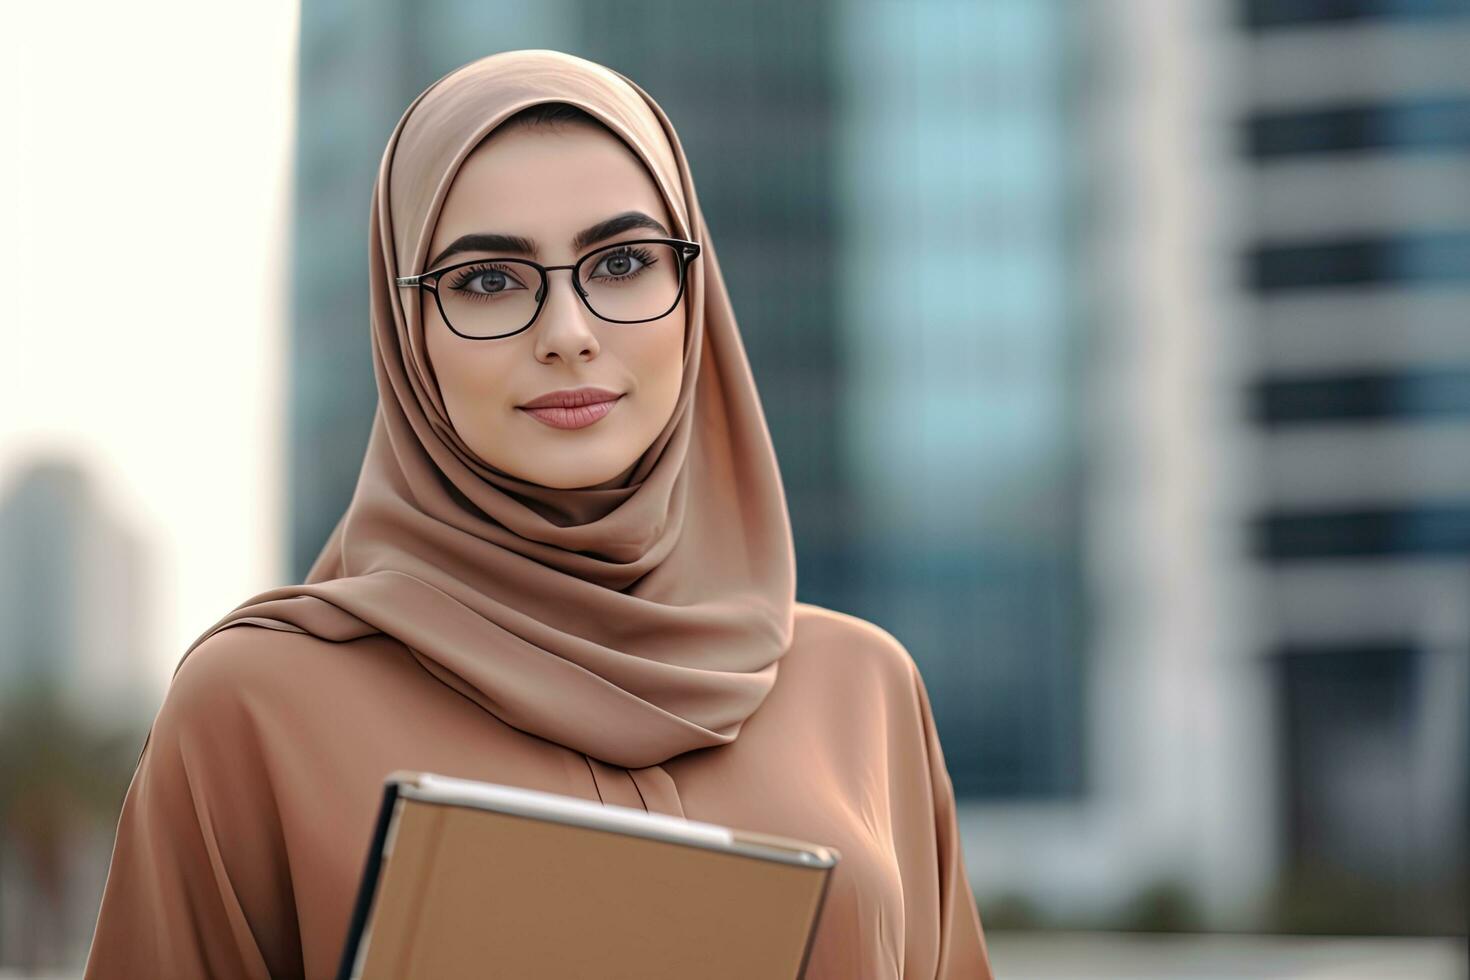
pixel 578 476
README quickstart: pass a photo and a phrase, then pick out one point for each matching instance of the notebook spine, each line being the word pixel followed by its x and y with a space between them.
pixel 349 964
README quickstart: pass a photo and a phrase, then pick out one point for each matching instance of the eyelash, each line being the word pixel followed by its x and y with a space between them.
pixel 643 255
pixel 475 271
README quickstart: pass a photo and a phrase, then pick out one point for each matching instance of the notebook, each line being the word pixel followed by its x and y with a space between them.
pixel 476 879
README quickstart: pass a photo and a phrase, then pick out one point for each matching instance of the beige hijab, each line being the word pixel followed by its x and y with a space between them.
pixel 632 624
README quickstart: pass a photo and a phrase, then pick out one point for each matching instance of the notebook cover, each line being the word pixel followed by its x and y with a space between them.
pixel 469 892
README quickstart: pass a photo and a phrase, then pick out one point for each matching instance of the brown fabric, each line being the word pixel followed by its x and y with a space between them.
pixel 246 827
pixel 608 644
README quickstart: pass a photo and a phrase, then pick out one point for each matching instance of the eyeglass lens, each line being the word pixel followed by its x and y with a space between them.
pixel 500 296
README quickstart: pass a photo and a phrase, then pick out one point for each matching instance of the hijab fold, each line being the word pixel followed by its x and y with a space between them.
pixel 632 623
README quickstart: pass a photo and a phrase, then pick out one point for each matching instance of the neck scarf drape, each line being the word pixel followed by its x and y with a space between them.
pixel 633 623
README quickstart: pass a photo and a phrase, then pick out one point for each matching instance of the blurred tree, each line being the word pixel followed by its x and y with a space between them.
pixel 59 779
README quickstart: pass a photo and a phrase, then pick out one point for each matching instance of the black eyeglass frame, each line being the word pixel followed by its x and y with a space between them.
pixel 686 251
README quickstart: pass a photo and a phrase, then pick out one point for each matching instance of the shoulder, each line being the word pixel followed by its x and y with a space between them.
pixel 220 664
pixel 222 676
pixel 248 665
pixel 856 640
pixel 227 682
pixel 207 685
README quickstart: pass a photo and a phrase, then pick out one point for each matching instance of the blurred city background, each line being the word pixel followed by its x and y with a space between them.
pixel 1116 352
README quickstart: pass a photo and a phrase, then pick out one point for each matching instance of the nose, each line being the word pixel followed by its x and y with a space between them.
pixel 564 327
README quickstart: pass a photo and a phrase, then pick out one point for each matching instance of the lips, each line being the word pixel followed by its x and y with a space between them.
pixel 572 416
pixel 573 398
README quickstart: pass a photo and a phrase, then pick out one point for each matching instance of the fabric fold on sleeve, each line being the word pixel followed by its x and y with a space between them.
pixel 963 954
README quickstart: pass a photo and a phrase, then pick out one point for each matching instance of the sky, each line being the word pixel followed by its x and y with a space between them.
pixel 145 191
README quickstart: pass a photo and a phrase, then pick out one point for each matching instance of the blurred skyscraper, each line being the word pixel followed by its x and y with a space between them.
pixel 957 289
pixel 1278 250
pixel 1356 273
pixel 71 596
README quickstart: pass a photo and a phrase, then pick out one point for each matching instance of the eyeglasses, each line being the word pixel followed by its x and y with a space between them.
pixel 626 282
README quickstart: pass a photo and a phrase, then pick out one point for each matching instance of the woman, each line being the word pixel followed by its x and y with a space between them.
pixel 595 600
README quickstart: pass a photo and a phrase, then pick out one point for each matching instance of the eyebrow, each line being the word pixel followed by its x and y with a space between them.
pixel 520 245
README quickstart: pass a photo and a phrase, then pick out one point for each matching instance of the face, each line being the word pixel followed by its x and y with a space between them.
pixel 547 184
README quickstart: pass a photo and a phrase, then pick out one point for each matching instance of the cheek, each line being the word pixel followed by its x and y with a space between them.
pixel 472 375
pixel 657 356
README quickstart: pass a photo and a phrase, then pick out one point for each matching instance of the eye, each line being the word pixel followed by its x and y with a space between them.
pixel 485 280
pixel 623 263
